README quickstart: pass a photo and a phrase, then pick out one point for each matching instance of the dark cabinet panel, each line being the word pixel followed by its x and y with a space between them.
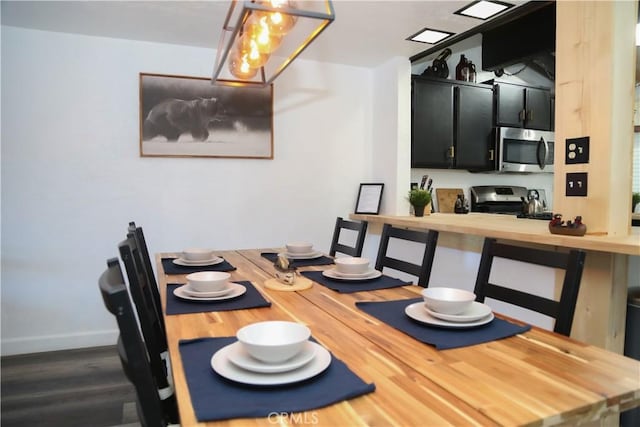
pixel 474 128
pixel 451 125
pixel 431 124
pixel 522 106
pixel 538 108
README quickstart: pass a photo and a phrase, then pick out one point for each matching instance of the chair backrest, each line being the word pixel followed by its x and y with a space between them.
pixel 141 244
pixel 422 270
pixel 360 227
pixel 563 310
pixel 131 348
pixel 150 322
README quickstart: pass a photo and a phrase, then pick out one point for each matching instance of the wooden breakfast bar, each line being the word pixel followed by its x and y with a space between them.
pixel 601 307
pixel 534 378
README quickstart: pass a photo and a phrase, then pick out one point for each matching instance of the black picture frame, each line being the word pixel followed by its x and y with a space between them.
pixel 369 198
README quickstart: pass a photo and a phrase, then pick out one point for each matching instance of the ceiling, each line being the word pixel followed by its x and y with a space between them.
pixel 365 33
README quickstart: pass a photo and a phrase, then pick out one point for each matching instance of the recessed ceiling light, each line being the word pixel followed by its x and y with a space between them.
pixel 428 35
pixel 483 9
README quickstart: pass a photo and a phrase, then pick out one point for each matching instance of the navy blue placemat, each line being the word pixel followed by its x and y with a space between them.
pixel 349 286
pixel 216 398
pixel 171 268
pixel 323 260
pixel 250 299
pixel 392 313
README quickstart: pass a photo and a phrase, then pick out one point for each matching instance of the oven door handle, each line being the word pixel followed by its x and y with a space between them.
pixel 542 160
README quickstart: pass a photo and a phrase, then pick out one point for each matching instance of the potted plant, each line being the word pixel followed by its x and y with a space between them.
pixel 419 199
pixel 635 199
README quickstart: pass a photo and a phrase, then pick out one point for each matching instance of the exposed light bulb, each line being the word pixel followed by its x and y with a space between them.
pixel 279 23
pixel 240 68
pixel 254 57
pixel 257 28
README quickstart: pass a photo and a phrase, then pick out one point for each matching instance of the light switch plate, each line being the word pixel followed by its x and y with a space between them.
pixel 576 184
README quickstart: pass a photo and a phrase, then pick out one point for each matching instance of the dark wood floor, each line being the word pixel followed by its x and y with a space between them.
pixel 83 387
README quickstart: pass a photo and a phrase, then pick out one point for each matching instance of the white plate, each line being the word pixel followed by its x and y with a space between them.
pixel 417 312
pixel 185 263
pixel 236 290
pixel 188 290
pixel 366 274
pixel 308 255
pixel 477 311
pixel 223 366
pixel 240 357
pixel 333 274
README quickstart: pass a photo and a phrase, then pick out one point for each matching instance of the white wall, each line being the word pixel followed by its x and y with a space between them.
pixel 72 177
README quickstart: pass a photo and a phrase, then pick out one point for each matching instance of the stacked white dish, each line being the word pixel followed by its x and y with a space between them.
pixel 301 250
pixel 450 308
pixel 271 353
pixel 209 286
pixel 197 257
pixel 352 269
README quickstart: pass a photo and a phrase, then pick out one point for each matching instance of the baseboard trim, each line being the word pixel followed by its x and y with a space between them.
pixel 38 344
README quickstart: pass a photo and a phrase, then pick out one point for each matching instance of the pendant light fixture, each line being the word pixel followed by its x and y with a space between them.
pixel 260 38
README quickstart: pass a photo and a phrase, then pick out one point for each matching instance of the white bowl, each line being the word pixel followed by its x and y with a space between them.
pixel 352 265
pixel 299 247
pixel 197 254
pixel 208 281
pixel 447 300
pixel 273 341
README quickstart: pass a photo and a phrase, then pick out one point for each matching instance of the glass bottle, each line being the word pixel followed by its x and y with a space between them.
pixel 462 65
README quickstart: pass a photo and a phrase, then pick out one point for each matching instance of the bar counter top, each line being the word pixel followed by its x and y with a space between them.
pixel 511 228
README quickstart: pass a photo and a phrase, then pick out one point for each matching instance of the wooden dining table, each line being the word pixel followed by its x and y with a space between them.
pixel 534 378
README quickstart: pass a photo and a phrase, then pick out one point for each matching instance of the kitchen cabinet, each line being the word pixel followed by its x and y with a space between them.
pixel 451 124
pixel 522 106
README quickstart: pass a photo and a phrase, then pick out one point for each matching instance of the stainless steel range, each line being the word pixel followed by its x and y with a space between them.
pixel 506 199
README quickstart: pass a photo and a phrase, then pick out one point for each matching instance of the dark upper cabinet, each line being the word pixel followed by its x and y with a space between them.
pixel 451 125
pixel 522 106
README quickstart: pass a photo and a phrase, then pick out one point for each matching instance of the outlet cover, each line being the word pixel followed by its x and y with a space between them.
pixel 576 184
pixel 577 150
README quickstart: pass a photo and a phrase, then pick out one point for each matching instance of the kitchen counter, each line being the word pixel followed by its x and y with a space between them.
pixel 511 228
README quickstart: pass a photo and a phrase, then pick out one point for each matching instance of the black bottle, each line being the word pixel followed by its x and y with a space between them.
pixel 461 67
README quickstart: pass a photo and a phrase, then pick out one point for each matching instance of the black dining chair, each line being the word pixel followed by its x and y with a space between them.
pixel 152 411
pixel 149 316
pixel 422 270
pixel 563 310
pixel 355 250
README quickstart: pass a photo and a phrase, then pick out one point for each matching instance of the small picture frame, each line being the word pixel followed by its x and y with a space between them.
pixel 369 197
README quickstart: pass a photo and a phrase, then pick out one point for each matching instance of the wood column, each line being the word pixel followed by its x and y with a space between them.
pixel 595 76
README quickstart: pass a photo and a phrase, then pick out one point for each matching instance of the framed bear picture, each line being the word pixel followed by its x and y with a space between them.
pixel 184 116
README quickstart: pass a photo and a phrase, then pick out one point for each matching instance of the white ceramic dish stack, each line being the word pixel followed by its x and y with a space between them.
pixel 197 257
pixel 271 353
pixel 209 286
pixel 449 308
pixel 352 269
pixel 301 250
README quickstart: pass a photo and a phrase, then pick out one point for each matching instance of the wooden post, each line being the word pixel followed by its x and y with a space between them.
pixel 595 75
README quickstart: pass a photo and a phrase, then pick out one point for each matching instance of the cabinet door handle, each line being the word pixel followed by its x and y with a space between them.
pixel 451 152
pixel 491 154
pixel 522 115
pixel 530 115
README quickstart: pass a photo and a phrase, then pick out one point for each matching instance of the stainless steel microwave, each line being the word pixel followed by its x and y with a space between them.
pixel 524 150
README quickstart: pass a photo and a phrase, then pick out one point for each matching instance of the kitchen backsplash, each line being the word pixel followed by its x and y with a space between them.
pixel 443 178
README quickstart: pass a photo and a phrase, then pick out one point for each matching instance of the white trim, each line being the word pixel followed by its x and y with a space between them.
pixel 37 344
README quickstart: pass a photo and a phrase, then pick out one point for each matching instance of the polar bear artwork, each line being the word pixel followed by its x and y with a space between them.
pixel 173 117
